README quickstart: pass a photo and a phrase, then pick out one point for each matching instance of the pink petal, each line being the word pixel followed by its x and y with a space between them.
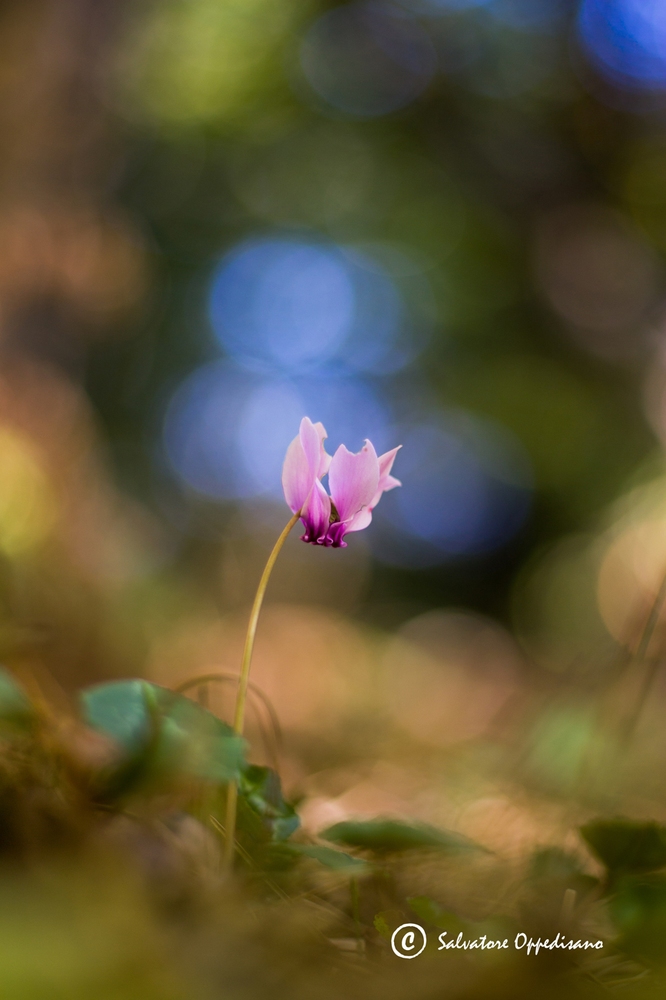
pixel 297 477
pixel 353 479
pixel 386 481
pixel 390 483
pixel 324 458
pixel 335 535
pixel 385 485
pixel 311 439
pixel 361 520
pixel 316 514
pixel 303 461
pixel 386 462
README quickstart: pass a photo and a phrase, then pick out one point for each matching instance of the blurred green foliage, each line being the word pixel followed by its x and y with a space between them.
pixel 114 906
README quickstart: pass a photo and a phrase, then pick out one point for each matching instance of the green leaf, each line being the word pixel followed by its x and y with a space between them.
pixel 259 789
pixel 336 860
pixel 626 845
pixel 122 710
pixel 126 712
pixel 194 741
pixel 165 736
pixel 162 735
pixel 389 835
pixel 15 707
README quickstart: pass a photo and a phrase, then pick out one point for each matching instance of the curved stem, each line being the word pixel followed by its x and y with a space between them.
pixel 239 714
pixel 243 681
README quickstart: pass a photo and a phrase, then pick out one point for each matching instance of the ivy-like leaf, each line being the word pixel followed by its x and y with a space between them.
pixel 384 836
pixel 626 845
pixel 126 711
pixel 161 735
pixel 194 741
pixel 164 736
pixel 259 788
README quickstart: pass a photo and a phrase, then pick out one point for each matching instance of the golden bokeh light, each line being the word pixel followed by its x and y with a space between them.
pixel 195 61
pixel 28 508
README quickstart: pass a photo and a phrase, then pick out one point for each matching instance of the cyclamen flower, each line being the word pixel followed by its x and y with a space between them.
pixel 356 483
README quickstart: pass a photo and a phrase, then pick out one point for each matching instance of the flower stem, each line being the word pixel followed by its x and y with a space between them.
pixel 243 680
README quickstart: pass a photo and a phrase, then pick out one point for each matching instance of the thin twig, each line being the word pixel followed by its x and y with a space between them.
pixel 641 657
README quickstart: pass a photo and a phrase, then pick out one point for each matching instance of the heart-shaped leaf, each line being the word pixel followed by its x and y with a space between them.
pixel 126 711
pixel 161 735
pixel 194 741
